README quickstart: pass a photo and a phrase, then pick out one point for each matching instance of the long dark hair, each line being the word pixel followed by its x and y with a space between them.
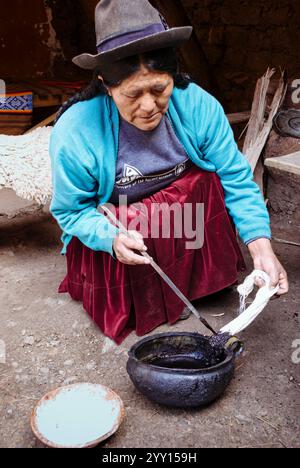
pixel 161 60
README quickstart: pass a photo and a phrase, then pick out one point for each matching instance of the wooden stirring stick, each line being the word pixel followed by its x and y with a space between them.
pixel 159 270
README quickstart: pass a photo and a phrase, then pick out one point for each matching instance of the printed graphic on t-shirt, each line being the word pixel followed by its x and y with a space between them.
pixel 131 171
pixel 132 176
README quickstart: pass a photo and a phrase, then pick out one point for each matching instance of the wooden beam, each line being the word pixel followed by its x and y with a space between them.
pixel 239 117
pixel 44 123
pixel 259 127
pixel 287 163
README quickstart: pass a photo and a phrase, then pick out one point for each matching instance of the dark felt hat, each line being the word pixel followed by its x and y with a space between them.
pixel 129 27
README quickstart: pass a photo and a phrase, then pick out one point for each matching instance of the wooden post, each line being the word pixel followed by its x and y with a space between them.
pixel 192 55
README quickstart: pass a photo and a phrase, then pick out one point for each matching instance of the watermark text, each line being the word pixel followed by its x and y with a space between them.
pixel 296 92
pixel 2 91
pixel 296 353
pixel 162 220
pixel 2 352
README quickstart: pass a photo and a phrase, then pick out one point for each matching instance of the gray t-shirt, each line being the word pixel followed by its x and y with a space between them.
pixel 147 161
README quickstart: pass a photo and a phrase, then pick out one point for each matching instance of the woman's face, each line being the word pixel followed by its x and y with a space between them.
pixel 143 98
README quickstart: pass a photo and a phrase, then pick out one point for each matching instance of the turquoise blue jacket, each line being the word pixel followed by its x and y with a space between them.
pixel 84 148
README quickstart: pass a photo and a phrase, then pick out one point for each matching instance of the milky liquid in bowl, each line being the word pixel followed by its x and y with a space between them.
pixel 78 415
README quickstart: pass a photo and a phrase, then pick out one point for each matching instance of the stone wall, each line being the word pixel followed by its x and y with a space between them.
pixel 28 41
pixel 241 38
pixel 39 38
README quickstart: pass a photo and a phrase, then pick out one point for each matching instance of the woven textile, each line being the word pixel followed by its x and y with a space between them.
pixel 16 103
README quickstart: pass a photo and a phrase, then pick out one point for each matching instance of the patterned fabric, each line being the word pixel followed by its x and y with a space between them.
pixel 16 103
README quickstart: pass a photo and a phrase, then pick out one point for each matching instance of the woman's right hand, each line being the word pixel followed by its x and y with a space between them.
pixel 125 247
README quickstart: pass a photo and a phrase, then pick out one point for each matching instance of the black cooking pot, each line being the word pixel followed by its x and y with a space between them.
pixel 180 369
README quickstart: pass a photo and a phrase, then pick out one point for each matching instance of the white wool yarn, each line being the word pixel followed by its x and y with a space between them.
pixel 262 298
pixel 25 165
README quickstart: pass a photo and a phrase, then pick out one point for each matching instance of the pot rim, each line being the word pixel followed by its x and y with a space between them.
pixel 132 355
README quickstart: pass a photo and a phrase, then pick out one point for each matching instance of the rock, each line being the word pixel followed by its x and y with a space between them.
pixel 11 324
pixel 22 378
pixel 91 365
pixel 54 343
pixel 107 345
pixel 44 371
pixel 29 340
pixel 242 418
pixel 69 363
pixel 70 380
pixel 282 379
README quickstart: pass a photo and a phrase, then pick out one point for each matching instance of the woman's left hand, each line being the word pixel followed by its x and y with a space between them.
pixel 265 259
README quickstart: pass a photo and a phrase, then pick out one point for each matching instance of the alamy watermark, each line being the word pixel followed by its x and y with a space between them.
pixel 296 92
pixel 176 220
pixel 2 91
pixel 296 353
pixel 2 352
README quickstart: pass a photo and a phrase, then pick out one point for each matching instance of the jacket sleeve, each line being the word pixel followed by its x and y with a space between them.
pixel 74 200
pixel 243 198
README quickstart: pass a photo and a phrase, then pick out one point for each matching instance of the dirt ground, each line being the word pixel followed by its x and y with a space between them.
pixel 50 341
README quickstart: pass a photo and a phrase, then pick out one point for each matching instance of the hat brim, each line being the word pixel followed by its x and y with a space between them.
pixel 173 37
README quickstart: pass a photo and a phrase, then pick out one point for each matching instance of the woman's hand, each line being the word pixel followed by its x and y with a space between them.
pixel 265 259
pixel 125 247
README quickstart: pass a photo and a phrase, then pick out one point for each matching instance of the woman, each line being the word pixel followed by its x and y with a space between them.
pixel 145 131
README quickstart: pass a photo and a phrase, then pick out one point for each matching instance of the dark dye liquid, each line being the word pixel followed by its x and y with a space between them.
pixel 183 362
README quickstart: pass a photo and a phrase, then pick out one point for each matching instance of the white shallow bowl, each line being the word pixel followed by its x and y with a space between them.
pixel 77 416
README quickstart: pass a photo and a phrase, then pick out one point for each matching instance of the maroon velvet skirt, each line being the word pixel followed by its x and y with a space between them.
pixel 122 298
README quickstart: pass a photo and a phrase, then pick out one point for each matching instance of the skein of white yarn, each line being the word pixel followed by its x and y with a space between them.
pixel 262 298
